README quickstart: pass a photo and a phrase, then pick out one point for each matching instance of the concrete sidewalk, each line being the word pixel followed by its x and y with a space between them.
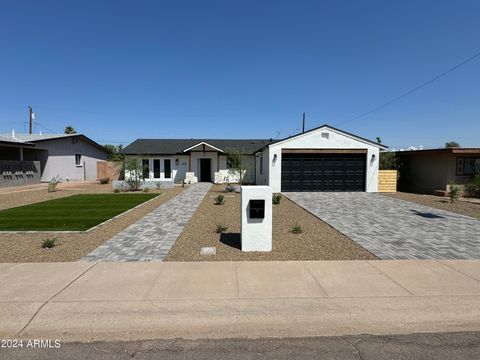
pixel 126 301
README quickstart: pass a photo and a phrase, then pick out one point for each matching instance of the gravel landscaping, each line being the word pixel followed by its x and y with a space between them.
pixel 318 241
pixel 439 202
pixel 70 247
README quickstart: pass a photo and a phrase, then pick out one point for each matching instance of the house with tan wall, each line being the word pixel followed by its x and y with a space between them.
pixel 429 170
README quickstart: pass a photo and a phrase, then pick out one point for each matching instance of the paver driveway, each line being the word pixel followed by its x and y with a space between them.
pixel 395 229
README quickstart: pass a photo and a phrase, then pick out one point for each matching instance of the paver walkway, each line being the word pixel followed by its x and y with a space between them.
pixel 395 229
pixel 151 237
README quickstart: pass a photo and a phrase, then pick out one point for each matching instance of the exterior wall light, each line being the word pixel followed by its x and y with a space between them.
pixel 372 160
pixel 176 161
pixel 274 159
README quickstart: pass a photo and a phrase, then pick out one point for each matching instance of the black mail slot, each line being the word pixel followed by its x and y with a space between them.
pixel 257 209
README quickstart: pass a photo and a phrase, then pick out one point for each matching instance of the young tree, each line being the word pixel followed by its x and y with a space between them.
pixel 134 173
pixel 452 144
pixel 69 130
pixel 379 140
pixel 235 164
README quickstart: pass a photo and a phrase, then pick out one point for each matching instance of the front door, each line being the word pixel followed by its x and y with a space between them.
pixel 206 170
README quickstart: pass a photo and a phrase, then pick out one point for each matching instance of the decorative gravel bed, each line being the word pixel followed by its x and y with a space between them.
pixel 439 202
pixel 72 247
pixel 318 241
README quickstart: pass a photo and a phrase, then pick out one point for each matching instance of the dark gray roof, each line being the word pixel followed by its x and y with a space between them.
pixel 176 146
pixel 35 138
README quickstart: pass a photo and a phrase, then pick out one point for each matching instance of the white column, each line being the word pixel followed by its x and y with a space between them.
pixel 256 227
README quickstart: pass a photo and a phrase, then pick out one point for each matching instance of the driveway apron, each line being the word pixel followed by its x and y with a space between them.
pixel 152 237
pixel 395 229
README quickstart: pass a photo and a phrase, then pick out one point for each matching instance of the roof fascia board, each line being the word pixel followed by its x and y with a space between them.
pixel 16 144
pixel 202 143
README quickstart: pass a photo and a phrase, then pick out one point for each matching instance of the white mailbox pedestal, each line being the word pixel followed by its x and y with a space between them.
pixel 256 218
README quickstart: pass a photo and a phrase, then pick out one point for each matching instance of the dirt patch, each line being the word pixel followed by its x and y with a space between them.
pixel 318 241
pixel 439 202
pixel 24 195
pixel 71 247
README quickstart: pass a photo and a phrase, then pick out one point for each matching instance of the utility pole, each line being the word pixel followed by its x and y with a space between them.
pixel 303 123
pixel 32 116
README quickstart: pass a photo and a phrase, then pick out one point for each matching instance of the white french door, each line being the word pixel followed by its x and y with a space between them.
pixel 162 169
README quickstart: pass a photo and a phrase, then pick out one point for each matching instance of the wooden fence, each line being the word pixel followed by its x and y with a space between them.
pixel 387 180
pixel 108 169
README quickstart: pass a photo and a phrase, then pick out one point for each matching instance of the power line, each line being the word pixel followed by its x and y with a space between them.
pixel 422 85
pixel 43 126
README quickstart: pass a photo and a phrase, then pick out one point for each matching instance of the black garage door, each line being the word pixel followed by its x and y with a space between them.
pixel 323 172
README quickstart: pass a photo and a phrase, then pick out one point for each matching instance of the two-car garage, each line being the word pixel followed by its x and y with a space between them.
pixel 319 170
pixel 321 159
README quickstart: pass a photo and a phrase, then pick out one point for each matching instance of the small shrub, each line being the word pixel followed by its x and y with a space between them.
pixel 116 191
pixel 221 228
pixel 276 198
pixel 453 192
pixel 48 243
pixel 296 229
pixel 146 190
pixel 104 181
pixel 473 187
pixel 219 200
pixel 52 185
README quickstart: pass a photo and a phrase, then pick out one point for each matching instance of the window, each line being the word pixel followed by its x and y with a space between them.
pixel 468 166
pixel 234 160
pixel 229 162
pixel 156 168
pixel 325 135
pixel 167 163
pixel 146 168
pixel 78 159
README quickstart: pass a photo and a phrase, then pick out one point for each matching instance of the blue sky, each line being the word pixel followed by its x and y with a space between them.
pixel 121 70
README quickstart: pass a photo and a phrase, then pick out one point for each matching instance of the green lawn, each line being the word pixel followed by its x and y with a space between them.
pixel 77 212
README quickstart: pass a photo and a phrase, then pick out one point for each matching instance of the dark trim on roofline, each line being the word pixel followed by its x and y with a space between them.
pixel 19 144
pixel 177 154
pixel 381 146
pixel 457 150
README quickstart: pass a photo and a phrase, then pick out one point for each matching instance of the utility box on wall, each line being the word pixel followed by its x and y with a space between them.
pixel 256 218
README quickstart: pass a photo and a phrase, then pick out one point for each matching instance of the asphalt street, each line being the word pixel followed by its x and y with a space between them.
pixel 450 346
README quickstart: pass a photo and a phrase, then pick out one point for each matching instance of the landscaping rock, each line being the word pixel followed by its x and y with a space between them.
pixel 209 250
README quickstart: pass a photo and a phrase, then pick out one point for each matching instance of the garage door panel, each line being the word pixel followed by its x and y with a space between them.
pixel 323 172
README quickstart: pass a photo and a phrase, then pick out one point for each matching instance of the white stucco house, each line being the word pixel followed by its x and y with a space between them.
pixel 321 159
pixel 73 157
